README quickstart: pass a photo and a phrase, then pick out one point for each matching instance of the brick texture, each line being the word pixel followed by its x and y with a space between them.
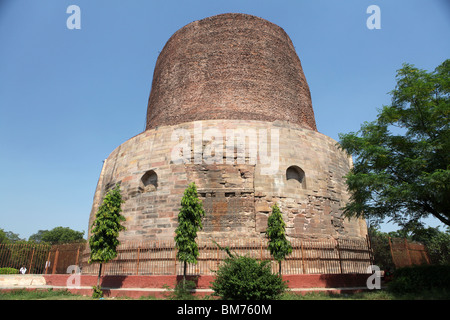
pixel 229 66
pixel 237 197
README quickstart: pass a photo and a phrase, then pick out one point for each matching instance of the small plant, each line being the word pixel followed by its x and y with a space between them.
pixel 279 246
pixel 97 292
pixel 182 291
pixel 8 271
pixel 245 278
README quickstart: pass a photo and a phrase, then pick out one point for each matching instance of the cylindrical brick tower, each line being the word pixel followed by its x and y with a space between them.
pixel 230 66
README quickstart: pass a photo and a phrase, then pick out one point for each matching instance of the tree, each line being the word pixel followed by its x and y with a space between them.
pixel 9 237
pixel 189 222
pixel 57 235
pixel 381 250
pixel 3 237
pixel 402 159
pixel 279 246
pixel 436 241
pixel 105 230
pixel 439 247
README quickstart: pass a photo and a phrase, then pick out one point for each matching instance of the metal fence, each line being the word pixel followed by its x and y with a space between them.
pixel 159 257
pixel 307 257
pixel 405 253
pixel 41 258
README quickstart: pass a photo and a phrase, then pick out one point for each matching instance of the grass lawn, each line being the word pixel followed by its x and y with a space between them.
pixel 369 295
pixel 22 294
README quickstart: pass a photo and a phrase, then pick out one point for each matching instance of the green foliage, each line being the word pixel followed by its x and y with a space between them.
pixel 106 227
pixel 8 237
pixel 182 291
pixel 439 248
pixel 57 235
pixel 279 246
pixel 8 271
pixel 245 278
pixel 380 247
pixel 436 241
pixel 97 292
pixel 402 159
pixel 19 253
pixel 189 222
pixel 38 294
pixel 417 279
pixel 3 237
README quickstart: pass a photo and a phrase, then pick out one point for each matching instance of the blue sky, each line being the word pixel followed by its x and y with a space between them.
pixel 68 98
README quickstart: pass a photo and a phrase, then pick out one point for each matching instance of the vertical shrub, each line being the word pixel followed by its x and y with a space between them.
pixel 189 222
pixel 279 246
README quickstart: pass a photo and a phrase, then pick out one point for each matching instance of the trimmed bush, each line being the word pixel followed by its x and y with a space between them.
pixel 416 279
pixel 245 278
pixel 8 271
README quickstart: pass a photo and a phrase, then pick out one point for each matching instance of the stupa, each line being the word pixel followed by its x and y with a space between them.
pixel 230 109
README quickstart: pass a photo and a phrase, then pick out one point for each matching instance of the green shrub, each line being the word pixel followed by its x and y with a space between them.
pixel 245 278
pixel 420 278
pixel 97 292
pixel 8 271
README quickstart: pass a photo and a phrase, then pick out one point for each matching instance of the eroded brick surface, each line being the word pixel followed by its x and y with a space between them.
pixel 229 66
pixel 237 197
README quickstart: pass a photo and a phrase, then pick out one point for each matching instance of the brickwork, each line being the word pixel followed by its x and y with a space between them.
pixel 229 66
pixel 138 286
pixel 237 197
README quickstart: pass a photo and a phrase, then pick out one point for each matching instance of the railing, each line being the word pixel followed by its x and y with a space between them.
pixel 41 258
pixel 307 257
pixel 158 257
pixel 405 253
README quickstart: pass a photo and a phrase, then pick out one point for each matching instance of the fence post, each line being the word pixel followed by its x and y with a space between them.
pixel 31 262
pixel 47 262
pixel 137 263
pixel 55 261
pixel 369 247
pixel 427 255
pixel 339 255
pixel 260 250
pixel 218 258
pixel 303 261
pixel 174 260
pixel 78 256
pixel 407 252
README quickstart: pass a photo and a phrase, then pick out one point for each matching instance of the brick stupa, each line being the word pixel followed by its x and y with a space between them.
pixel 230 74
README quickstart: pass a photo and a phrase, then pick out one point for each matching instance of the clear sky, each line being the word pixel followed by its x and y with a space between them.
pixel 69 97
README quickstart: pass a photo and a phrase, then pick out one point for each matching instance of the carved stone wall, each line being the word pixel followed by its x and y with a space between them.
pixel 237 197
